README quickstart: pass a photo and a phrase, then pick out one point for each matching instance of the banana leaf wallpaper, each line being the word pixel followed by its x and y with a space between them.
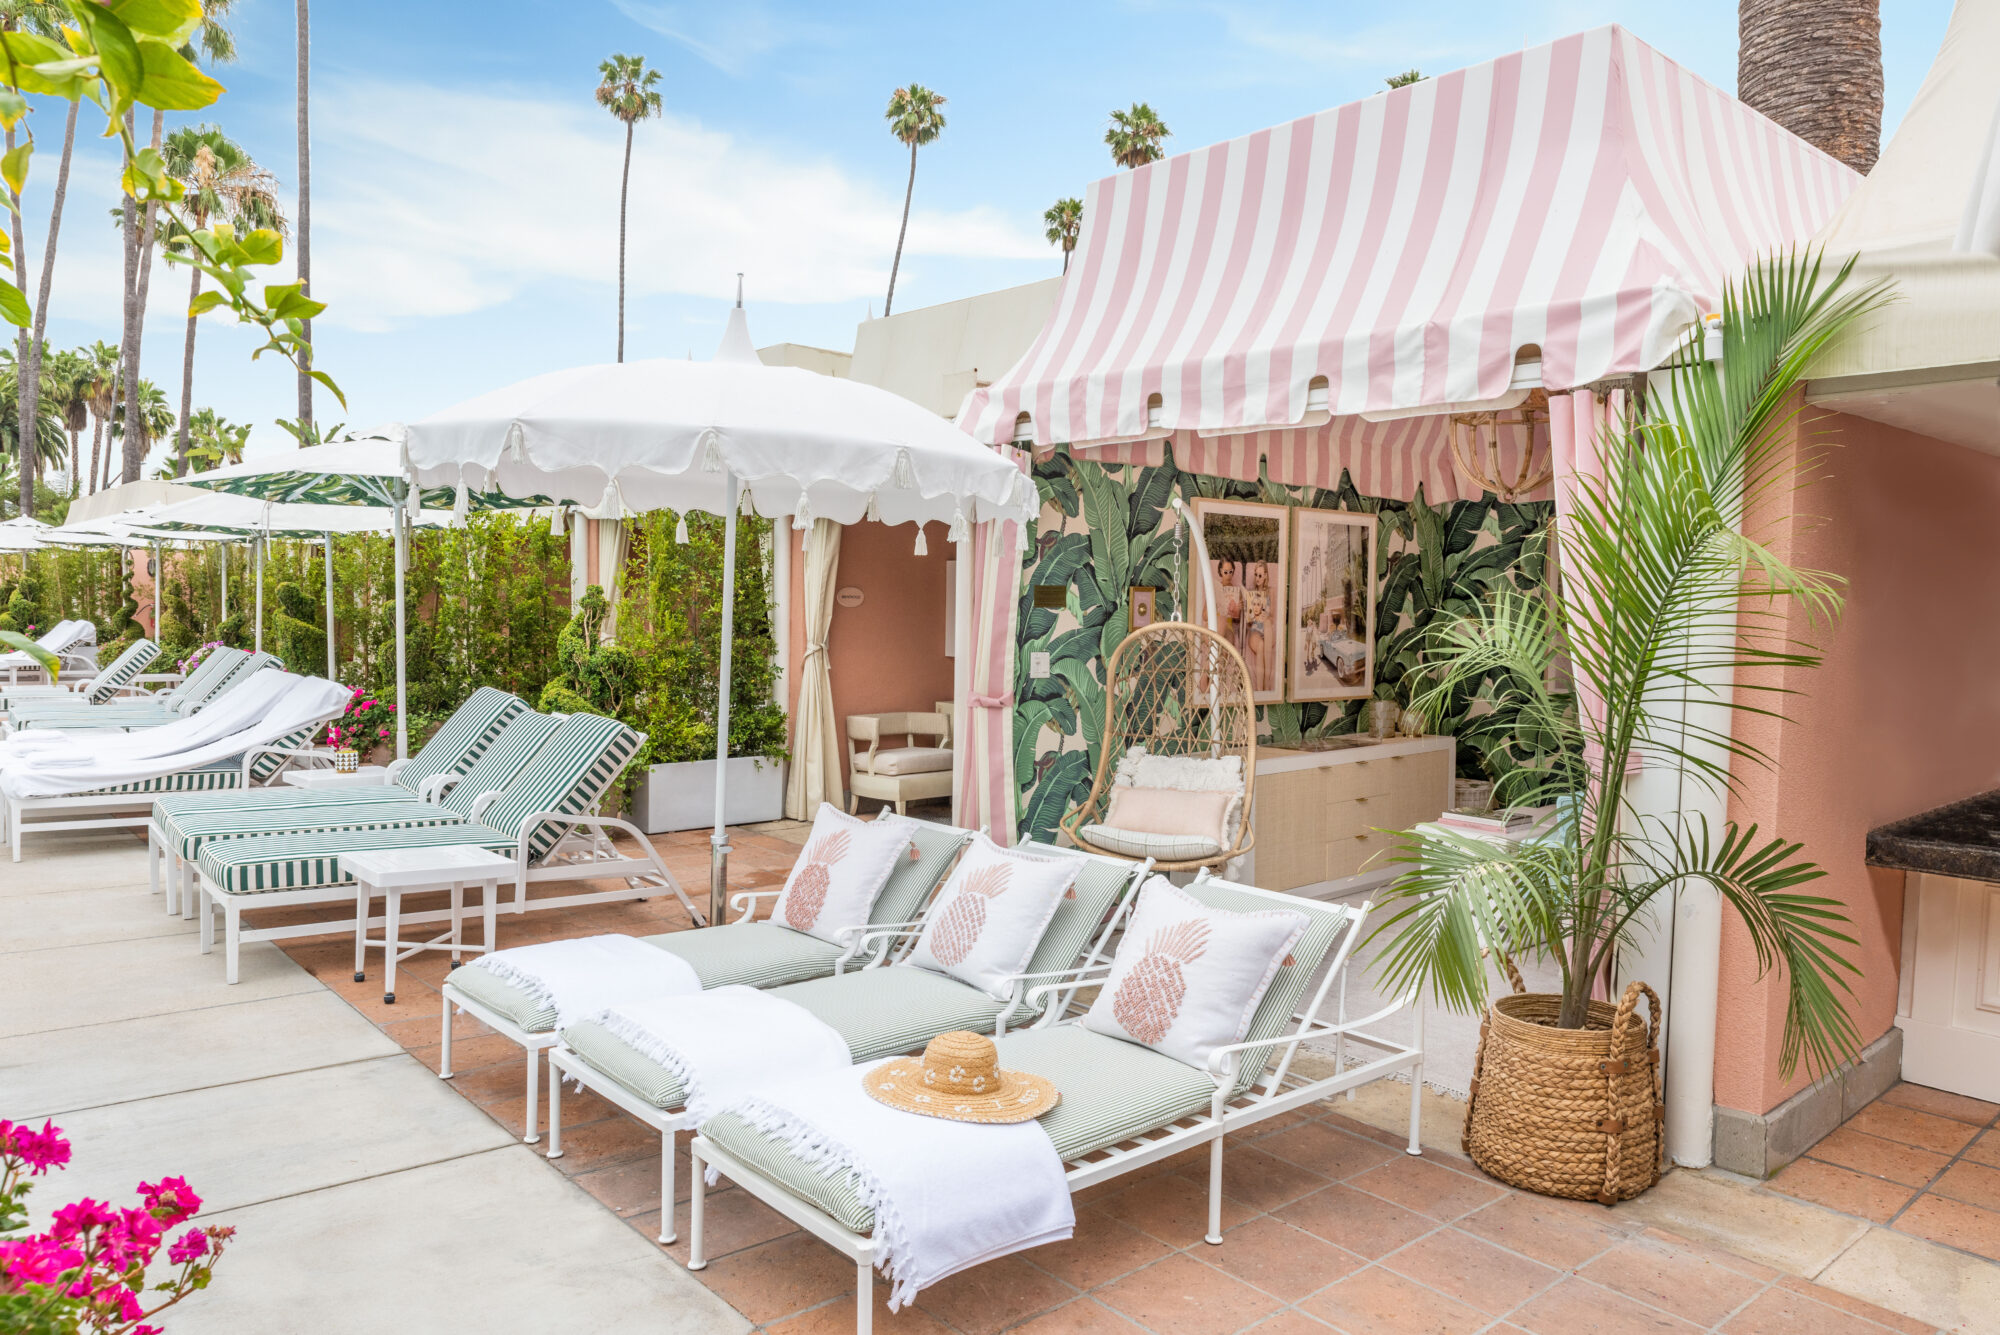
pixel 1105 528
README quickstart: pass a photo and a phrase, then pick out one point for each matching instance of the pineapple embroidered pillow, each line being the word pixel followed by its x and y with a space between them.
pixel 840 873
pixel 986 922
pixel 1188 978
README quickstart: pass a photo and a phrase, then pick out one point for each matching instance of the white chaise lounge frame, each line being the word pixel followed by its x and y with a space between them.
pixel 566 1065
pixel 1278 1091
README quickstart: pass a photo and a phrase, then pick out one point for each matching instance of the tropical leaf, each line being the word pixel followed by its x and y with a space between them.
pixel 21 643
pixel 1063 780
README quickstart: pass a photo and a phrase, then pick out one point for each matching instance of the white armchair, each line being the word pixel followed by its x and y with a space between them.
pixel 904 774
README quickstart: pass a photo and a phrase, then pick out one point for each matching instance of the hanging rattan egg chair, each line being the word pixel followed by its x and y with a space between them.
pixel 1176 696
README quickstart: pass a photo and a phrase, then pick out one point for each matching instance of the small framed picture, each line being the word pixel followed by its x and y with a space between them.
pixel 1143 606
pixel 1333 605
pixel 1247 542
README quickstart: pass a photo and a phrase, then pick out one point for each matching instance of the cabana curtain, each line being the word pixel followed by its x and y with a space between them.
pixel 815 774
pixel 983 793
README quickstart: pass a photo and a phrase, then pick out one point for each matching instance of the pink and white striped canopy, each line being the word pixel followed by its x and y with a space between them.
pixel 1589 197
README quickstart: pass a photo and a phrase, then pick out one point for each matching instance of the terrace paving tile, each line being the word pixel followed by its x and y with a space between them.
pixel 989 1298
pixel 1363 1224
pixel 1940 1135
pixel 1953 1223
pixel 1290 1323
pixel 1259 1180
pixel 1377 1302
pixel 1182 1296
pixel 1782 1311
pixel 1842 1189
pixel 1285 1262
pixel 780 1278
pixel 1881 1316
pixel 40 992
pixel 1564 1234
pixel 1474 1272
pixel 1576 1307
pixel 1677 1281
pixel 1973 1183
pixel 1103 1249
pixel 1170 1208
pixel 1942 1103
pixel 1326 1150
pixel 1936 1287
pixel 1427 1188
pixel 1986 1149
pixel 1876 1157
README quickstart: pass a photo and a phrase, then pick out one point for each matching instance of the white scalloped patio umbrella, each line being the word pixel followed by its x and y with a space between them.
pixel 684 435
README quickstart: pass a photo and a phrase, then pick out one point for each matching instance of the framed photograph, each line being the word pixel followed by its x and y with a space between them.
pixel 1333 605
pixel 1142 606
pixel 1247 542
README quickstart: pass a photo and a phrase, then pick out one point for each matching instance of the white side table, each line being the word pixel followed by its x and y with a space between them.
pixel 394 872
pixel 368 776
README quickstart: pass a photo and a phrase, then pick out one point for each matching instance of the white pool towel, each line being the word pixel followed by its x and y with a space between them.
pixel 728 1043
pixel 946 1195
pixel 584 976
pixel 234 711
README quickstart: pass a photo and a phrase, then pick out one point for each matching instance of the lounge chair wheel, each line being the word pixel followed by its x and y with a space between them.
pixel 360 977
pixel 388 998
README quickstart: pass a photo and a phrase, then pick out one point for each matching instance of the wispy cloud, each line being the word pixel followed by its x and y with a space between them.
pixel 732 37
pixel 431 201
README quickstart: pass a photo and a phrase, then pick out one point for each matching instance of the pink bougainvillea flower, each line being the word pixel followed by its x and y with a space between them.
pixel 382 732
pixel 84 1216
pixel 170 1200
pixel 189 1247
pixel 40 1150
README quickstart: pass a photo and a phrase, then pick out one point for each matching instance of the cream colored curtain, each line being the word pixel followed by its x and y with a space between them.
pixel 815 775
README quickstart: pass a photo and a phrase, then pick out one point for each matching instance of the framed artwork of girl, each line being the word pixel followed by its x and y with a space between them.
pixel 1248 544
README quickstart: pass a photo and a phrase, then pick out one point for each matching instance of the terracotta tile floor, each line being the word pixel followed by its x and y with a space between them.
pixel 1329 1225
pixel 1917 1160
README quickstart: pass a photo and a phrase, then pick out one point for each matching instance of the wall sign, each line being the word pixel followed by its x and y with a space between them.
pixel 848 597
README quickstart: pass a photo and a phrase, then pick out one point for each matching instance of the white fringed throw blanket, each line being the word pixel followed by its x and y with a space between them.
pixel 584 976
pixel 728 1043
pixel 946 1195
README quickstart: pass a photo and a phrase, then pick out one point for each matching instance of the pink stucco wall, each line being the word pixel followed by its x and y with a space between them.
pixel 1902 716
pixel 888 653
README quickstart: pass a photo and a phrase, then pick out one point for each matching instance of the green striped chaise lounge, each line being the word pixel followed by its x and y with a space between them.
pixel 1123 1106
pixel 542 817
pixel 121 673
pixel 752 954
pixel 130 804
pixel 183 822
pixel 881 1011
pixel 204 685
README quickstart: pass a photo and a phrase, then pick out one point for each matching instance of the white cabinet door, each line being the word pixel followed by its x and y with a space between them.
pixel 1951 999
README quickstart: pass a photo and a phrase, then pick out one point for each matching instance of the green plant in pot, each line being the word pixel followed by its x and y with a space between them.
pixel 1666 592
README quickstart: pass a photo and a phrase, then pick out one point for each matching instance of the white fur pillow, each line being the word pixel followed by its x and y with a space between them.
pixel 986 922
pixel 1187 978
pixel 839 874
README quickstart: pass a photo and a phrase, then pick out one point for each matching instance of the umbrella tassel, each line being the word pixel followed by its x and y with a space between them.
pixel 923 548
pixel 874 509
pixel 711 458
pixel 802 518
pixel 904 474
pixel 957 532
pixel 556 522
pixel 461 503
pixel 681 529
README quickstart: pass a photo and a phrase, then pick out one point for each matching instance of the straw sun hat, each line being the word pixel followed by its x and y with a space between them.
pixel 959 1078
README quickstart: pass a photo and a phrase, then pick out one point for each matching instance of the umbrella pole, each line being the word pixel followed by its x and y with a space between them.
pixel 222 552
pixel 402 710
pixel 257 555
pixel 158 562
pixel 718 841
pixel 329 609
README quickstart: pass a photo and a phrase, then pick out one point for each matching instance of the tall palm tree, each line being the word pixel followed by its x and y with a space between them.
pixel 46 439
pixel 214 44
pixel 100 396
pixel 65 374
pixel 303 23
pixel 222 184
pixel 1065 220
pixel 1137 137
pixel 1405 79
pixel 1816 69
pixel 915 120
pixel 626 90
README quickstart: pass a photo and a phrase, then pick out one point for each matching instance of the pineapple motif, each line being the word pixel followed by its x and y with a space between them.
pixel 808 893
pixel 1149 1000
pixel 965 918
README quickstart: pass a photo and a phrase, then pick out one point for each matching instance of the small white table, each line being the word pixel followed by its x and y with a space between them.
pixel 368 776
pixel 394 872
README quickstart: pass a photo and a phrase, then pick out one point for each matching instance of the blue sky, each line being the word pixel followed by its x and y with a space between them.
pixel 465 186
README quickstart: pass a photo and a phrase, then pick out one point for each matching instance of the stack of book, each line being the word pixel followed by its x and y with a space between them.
pixel 1510 822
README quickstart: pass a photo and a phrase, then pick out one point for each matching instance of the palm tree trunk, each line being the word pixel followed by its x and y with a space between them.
pixel 96 440
pixel 27 446
pixel 304 220
pixel 30 391
pixel 187 378
pixel 135 324
pixel 1816 69
pixel 75 476
pixel 889 302
pixel 624 185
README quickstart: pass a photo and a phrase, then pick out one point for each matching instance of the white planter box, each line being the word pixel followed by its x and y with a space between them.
pixel 681 796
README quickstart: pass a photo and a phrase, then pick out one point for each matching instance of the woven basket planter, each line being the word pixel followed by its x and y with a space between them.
pixel 1568 1112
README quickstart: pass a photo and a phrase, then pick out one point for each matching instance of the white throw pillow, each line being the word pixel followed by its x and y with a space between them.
pixel 990 916
pixel 839 874
pixel 1187 978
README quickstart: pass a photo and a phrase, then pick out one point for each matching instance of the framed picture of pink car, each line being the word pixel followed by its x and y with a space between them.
pixel 1246 543
pixel 1333 605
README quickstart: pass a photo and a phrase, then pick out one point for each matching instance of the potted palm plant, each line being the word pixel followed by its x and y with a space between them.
pixel 1666 593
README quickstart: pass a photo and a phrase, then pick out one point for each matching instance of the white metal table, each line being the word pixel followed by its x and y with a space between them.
pixel 368 776
pixel 395 872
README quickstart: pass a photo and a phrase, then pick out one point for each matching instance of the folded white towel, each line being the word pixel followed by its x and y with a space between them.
pixel 583 976
pixel 233 711
pixel 728 1043
pixel 946 1195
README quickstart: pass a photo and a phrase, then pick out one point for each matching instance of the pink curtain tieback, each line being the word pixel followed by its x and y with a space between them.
pixel 992 701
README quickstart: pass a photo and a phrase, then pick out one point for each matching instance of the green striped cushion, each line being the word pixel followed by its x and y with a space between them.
pixel 311 860
pixel 267 764
pixel 221 774
pixel 518 742
pixel 1111 1091
pixel 512 1002
pixel 909 886
pixel 616 1058
pixel 754 954
pixel 463 738
pixel 188 832
pixel 138 656
pixel 1077 920
pixel 568 775
pixel 243 671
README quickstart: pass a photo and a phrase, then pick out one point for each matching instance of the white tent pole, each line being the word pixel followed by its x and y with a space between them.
pixel 158 562
pixel 257 556
pixel 402 703
pixel 222 551
pixel 718 840
pixel 329 609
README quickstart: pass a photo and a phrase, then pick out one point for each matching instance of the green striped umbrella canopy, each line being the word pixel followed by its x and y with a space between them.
pixel 244 517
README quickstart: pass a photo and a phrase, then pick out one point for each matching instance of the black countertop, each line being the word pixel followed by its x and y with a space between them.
pixel 1962 840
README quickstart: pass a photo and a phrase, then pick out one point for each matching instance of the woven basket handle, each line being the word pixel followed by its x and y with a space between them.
pixel 1628 1006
